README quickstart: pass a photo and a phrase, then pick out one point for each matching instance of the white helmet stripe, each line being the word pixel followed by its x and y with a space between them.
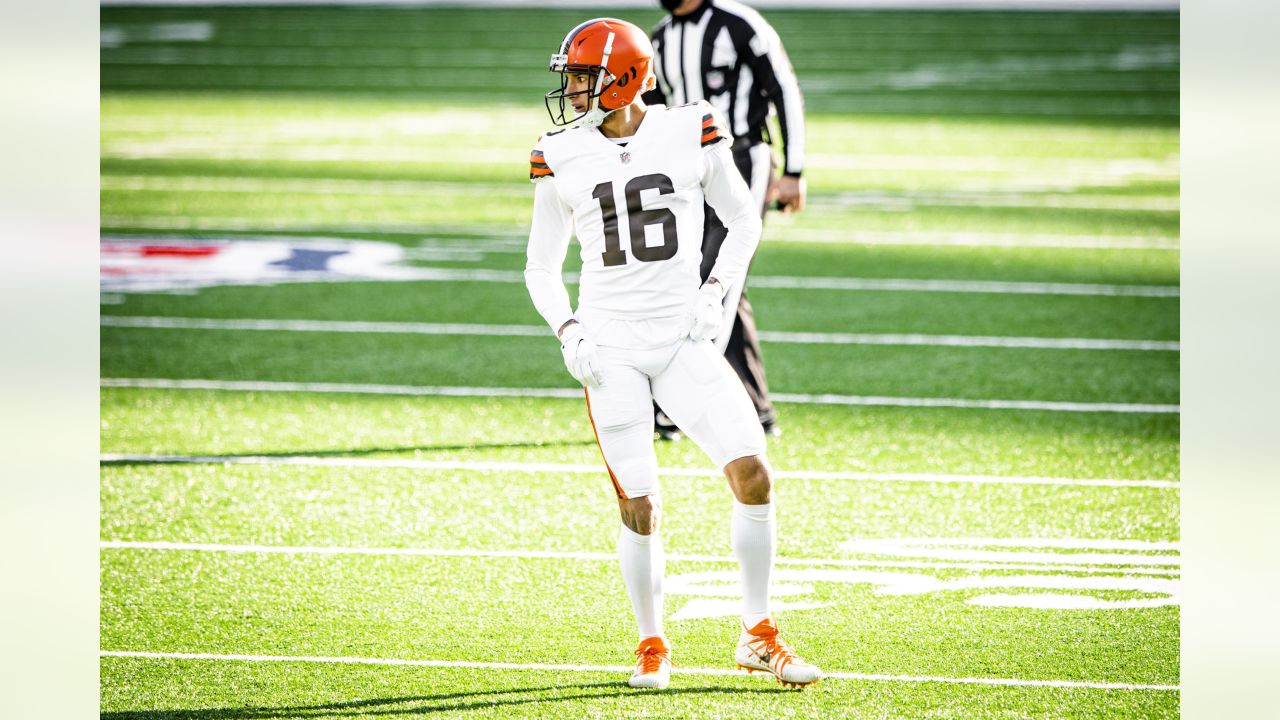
pixel 564 44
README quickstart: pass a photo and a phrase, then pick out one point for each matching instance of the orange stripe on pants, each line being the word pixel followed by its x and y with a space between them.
pixel 617 488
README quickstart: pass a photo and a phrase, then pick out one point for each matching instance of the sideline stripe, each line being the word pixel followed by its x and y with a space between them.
pixel 566 468
pixel 621 669
pixel 432 390
pixel 421 328
pixel 1160 565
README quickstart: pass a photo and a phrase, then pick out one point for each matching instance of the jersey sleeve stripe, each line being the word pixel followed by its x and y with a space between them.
pixel 707 121
pixel 538 167
pixel 711 136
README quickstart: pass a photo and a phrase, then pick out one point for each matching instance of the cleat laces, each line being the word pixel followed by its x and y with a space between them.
pixel 771 650
pixel 651 659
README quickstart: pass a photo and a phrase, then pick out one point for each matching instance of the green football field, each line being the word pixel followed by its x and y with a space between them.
pixel 345 474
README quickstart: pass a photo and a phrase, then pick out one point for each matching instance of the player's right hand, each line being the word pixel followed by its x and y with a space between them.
pixel 580 355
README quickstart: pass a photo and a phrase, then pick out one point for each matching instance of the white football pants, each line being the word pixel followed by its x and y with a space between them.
pixel 696 388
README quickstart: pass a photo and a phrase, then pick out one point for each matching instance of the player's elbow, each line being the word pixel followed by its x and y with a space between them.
pixel 536 276
pixel 750 228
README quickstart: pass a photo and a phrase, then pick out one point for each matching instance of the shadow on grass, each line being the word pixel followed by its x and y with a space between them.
pixel 358 452
pixel 428 704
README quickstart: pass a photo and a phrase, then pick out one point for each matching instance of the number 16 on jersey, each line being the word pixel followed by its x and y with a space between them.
pixel 639 218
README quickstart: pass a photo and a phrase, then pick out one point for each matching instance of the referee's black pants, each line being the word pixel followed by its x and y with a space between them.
pixel 743 350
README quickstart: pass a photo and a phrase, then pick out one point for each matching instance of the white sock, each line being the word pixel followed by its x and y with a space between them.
pixel 751 533
pixel 643 564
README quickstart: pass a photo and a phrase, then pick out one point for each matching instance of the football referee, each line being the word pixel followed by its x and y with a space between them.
pixel 723 52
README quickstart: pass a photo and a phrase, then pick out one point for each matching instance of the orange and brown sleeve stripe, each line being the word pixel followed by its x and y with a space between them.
pixel 710 133
pixel 538 166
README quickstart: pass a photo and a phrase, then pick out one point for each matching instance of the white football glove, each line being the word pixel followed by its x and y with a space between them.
pixel 708 311
pixel 580 356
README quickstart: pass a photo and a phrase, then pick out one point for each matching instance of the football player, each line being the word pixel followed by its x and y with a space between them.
pixel 630 182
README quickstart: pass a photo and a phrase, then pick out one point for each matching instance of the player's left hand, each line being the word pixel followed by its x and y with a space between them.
pixel 708 311
pixel 790 193
pixel 580 357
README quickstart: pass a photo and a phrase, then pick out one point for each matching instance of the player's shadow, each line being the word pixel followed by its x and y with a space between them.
pixel 428 704
pixel 359 452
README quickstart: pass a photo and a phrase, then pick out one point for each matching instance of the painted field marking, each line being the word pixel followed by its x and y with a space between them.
pixel 798 338
pixel 574 469
pixel 1074 684
pixel 566 393
pixel 247 261
pixel 610 557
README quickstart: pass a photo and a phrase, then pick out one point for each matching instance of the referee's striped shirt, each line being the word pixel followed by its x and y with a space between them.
pixel 726 54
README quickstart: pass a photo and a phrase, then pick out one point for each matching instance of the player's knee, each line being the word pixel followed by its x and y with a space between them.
pixel 750 479
pixel 641 515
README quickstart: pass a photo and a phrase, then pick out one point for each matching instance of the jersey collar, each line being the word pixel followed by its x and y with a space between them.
pixel 694 16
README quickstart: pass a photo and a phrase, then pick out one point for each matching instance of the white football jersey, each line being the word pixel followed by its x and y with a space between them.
pixel 637 211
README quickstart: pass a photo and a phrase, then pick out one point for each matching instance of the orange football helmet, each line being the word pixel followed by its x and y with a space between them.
pixel 616 54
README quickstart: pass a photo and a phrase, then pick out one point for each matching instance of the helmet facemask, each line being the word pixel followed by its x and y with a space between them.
pixel 563 112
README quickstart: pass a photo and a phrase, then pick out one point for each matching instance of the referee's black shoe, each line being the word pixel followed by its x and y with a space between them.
pixel 664 429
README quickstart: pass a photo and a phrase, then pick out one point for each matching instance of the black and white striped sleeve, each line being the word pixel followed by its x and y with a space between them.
pixel 657 96
pixel 773 72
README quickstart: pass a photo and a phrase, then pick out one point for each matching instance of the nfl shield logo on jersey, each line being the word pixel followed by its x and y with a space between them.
pixel 625 157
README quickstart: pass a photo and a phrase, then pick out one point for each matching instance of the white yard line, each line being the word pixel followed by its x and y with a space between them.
pixel 579 469
pixel 962 286
pixel 782 234
pixel 244 224
pixel 618 669
pixel 996 199
pixel 567 393
pixel 989 341
pixel 420 328
pixel 353 388
pixel 1065 5
pixel 307 185
pixel 1160 565
pixel 776 234
pixel 435 189
pixel 331 326
pixel 1047 406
